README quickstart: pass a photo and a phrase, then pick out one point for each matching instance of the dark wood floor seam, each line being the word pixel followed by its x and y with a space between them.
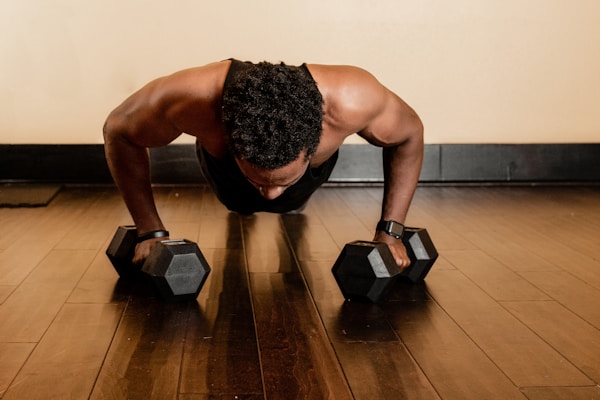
pixel 247 274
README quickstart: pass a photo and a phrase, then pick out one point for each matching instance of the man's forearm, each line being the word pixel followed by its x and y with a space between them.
pixel 130 168
pixel 402 167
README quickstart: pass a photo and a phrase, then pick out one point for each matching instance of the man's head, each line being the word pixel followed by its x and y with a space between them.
pixel 272 113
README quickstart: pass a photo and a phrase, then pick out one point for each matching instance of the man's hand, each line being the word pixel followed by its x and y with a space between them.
pixel 396 247
pixel 142 250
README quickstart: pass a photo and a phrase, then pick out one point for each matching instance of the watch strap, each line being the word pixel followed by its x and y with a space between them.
pixel 151 235
pixel 392 228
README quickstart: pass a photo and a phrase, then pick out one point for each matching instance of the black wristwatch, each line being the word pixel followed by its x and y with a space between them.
pixel 392 228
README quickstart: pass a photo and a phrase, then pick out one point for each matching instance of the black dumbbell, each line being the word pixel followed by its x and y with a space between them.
pixel 366 271
pixel 176 268
pixel 120 251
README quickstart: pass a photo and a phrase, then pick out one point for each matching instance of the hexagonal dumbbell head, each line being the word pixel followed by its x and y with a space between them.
pixel 177 269
pixel 421 251
pixel 120 251
pixel 365 271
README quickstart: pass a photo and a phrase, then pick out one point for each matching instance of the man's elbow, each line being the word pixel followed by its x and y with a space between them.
pixel 106 131
pixel 108 128
pixel 417 128
pixel 414 132
pixel 113 128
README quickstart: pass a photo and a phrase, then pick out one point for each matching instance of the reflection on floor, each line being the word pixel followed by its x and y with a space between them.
pixel 509 311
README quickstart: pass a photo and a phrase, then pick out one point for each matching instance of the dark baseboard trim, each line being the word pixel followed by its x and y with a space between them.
pixel 443 163
pixel 484 163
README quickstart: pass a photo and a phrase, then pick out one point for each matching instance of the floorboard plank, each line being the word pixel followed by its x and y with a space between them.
pixel 573 293
pixel 182 204
pixel 21 258
pixel 215 232
pixel 12 358
pixel 520 354
pixel 556 251
pixel 338 219
pixel 364 207
pixel 376 362
pixel 144 359
pixel 572 231
pixel 16 222
pixel 218 360
pixel 563 393
pixel 513 253
pixel 579 344
pixel 30 309
pixel 455 366
pixel 5 291
pixel 497 280
pixel 65 363
pixel 384 371
pixel 100 283
pixel 310 239
pixel 221 355
pixel 296 356
pixel 88 233
pixel 562 255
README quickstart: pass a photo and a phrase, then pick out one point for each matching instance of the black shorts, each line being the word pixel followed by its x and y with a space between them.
pixel 237 194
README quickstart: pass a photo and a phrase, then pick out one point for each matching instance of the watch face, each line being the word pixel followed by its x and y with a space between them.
pixel 392 228
pixel 396 229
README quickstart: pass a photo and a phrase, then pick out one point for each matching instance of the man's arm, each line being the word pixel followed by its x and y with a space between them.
pixel 401 168
pixel 129 130
pixel 396 127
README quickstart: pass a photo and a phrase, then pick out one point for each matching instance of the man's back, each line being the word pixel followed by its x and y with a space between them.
pixel 189 101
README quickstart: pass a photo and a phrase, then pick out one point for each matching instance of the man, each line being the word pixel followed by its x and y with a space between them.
pixel 267 136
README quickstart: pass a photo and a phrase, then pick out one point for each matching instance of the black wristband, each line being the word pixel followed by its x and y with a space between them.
pixel 151 235
pixel 392 228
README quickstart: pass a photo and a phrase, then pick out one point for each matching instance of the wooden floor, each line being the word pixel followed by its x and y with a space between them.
pixel 511 309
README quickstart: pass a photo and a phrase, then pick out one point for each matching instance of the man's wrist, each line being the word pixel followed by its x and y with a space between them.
pixel 160 233
pixel 392 228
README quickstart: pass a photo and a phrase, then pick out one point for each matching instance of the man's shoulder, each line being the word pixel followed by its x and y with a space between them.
pixel 196 88
pixel 352 96
pixel 209 76
pixel 340 73
pixel 346 84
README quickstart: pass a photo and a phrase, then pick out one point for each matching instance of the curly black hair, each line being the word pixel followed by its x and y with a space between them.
pixel 272 112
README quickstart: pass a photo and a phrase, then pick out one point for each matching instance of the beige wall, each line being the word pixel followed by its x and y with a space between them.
pixel 477 71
